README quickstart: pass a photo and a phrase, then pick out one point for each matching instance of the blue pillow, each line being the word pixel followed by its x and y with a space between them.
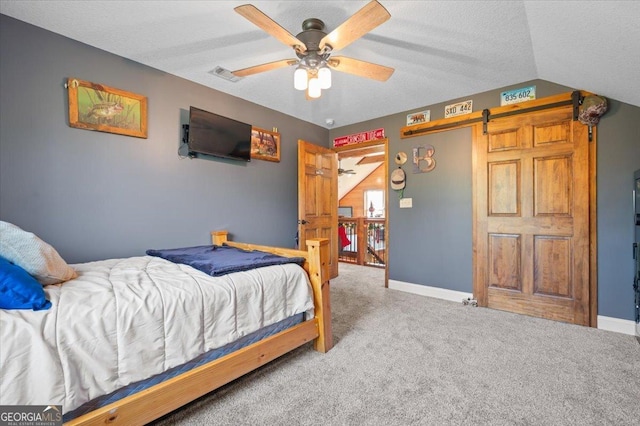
pixel 19 290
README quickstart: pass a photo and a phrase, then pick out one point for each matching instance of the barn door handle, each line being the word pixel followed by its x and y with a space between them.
pixel 302 222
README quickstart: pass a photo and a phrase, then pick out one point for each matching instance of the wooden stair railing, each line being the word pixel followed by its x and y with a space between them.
pixel 361 231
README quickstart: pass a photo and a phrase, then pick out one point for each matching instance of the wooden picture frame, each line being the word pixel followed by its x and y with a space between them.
pixel 265 145
pixel 98 107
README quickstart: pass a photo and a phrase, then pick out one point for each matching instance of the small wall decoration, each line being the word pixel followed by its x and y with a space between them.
pixel 518 95
pixel 423 160
pixel 460 108
pixel 401 158
pixel 418 117
pixel 359 137
pixel 265 145
pixel 98 107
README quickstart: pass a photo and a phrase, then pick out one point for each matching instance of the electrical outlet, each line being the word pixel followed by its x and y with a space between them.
pixel 406 203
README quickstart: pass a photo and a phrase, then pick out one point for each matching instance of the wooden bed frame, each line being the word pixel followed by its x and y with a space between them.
pixel 152 403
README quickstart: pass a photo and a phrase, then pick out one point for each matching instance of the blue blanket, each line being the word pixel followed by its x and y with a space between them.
pixel 221 260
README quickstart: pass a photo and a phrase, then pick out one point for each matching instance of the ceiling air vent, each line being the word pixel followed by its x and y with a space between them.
pixel 224 73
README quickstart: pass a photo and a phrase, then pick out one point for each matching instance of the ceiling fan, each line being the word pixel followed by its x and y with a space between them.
pixel 342 171
pixel 313 47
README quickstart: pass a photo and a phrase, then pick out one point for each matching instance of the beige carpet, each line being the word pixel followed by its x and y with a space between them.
pixel 403 359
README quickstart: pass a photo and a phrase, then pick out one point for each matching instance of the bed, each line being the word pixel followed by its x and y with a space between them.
pixel 155 376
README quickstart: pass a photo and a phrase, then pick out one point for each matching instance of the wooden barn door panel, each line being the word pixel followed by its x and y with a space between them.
pixel 531 202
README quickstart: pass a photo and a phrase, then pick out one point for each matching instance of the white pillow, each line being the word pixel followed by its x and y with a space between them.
pixel 33 255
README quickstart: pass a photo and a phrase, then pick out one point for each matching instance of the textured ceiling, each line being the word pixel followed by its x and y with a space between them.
pixel 441 50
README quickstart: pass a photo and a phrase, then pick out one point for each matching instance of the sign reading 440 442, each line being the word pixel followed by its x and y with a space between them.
pixel 459 108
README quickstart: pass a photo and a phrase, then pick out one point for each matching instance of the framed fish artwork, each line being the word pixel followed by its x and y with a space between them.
pixel 98 107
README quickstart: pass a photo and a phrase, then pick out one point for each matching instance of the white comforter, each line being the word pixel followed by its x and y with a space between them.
pixel 124 320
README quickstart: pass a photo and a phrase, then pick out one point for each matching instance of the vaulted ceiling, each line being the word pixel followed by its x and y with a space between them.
pixel 441 50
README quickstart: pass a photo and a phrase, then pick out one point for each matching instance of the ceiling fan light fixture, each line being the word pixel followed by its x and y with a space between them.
pixel 314 87
pixel 300 78
pixel 313 47
pixel 324 75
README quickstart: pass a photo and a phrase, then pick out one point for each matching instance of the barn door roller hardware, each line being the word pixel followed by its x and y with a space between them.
pixel 485 120
pixel 576 101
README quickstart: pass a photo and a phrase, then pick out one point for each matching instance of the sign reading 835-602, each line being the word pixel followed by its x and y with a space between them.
pixel 460 108
pixel 518 95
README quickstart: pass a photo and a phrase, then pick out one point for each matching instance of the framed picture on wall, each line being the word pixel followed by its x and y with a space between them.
pixel 265 145
pixel 345 211
pixel 98 107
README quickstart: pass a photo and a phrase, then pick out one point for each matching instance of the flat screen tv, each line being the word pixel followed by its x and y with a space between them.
pixel 213 134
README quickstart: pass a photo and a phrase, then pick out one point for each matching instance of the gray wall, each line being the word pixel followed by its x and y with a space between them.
pixel 96 195
pixel 618 157
pixel 430 244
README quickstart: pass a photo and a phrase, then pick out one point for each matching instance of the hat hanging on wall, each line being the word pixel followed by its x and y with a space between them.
pixel 398 179
pixel 401 158
pixel 593 107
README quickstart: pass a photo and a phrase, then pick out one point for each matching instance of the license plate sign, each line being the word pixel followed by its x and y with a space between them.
pixel 461 108
pixel 518 95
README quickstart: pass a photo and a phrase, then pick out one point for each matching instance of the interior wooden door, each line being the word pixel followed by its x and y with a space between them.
pixel 318 197
pixel 531 211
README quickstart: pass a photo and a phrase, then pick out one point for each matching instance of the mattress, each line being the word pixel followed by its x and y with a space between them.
pixel 176 371
pixel 125 320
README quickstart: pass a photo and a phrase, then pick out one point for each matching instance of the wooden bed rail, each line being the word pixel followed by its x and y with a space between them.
pixel 317 267
pixel 150 404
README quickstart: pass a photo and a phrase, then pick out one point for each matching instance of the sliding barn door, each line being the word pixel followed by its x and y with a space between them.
pixel 531 208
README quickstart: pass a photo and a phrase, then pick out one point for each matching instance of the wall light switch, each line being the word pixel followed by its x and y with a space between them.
pixel 406 203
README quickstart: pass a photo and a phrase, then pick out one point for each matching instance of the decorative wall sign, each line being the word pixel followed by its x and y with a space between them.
pixel 359 137
pixel 518 95
pixel 265 145
pixel 418 117
pixel 94 106
pixel 423 160
pixel 460 108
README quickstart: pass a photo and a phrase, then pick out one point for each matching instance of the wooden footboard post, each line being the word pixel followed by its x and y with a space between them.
pixel 219 237
pixel 317 266
pixel 318 249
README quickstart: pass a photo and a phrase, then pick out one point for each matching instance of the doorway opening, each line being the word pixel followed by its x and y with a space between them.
pixel 362 205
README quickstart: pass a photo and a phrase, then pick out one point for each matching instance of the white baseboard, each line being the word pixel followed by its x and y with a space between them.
pixel 424 290
pixel 616 324
pixel 604 323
